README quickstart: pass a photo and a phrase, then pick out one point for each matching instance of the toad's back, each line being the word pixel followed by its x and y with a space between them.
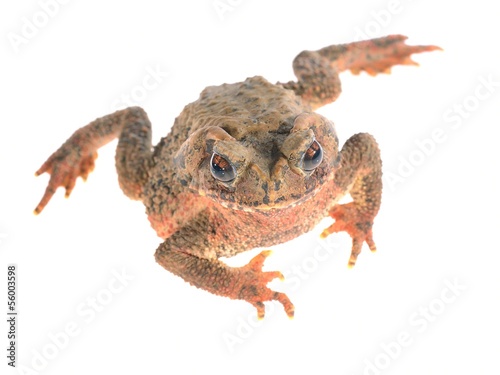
pixel 238 107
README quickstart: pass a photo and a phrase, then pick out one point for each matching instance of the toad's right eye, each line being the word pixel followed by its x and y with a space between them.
pixel 222 169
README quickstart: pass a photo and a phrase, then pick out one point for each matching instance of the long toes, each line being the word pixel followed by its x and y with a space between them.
pixel 49 192
pixel 277 296
pixel 287 304
pixel 418 49
pixel 58 178
pixel 70 184
pixel 85 170
pixel 352 261
pixel 334 228
pixel 258 261
pixel 271 275
pixel 357 243
pixel 371 243
pixel 261 310
pixel 87 165
pixel 326 232
pixel 41 170
pixel 46 167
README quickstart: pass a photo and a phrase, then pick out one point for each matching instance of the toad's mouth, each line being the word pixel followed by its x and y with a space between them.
pixel 269 202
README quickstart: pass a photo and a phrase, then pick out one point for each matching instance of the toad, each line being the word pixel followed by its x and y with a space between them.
pixel 247 165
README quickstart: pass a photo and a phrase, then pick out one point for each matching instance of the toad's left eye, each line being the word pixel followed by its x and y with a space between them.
pixel 312 157
pixel 222 169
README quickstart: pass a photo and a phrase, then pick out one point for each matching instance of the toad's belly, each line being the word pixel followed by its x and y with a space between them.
pixel 267 228
pixel 217 231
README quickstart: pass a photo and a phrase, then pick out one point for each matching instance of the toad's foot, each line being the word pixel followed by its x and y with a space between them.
pixel 378 55
pixel 350 219
pixel 252 287
pixel 247 283
pixel 64 166
pixel 75 158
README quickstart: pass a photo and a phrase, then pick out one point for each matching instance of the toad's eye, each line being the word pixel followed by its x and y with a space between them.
pixel 312 157
pixel 222 169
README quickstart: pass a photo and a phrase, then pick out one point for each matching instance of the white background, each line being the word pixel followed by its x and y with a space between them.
pixel 438 225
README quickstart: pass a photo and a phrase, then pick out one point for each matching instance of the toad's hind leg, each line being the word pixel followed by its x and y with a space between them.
pixel 134 154
pixel 317 71
pixel 75 158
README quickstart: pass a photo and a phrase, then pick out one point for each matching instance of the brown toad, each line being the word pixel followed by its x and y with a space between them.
pixel 247 165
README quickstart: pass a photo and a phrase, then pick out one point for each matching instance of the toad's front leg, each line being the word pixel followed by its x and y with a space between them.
pixel 248 283
pixel 361 172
